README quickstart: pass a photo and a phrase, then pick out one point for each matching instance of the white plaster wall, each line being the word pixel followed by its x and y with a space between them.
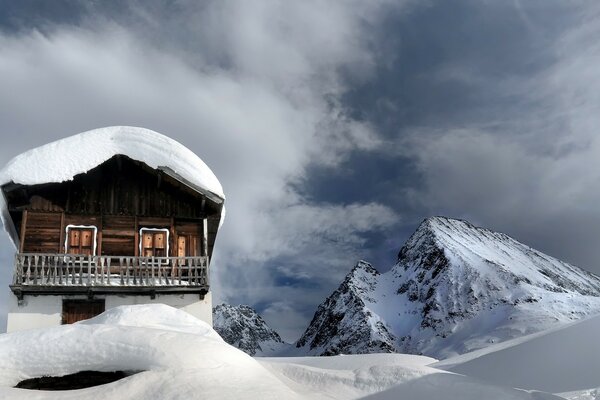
pixel 44 311
pixel 34 312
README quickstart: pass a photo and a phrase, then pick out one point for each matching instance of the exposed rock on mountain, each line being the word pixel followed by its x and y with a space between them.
pixel 344 323
pixel 242 327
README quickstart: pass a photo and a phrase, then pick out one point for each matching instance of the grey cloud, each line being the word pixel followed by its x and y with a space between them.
pixel 533 173
pixel 253 88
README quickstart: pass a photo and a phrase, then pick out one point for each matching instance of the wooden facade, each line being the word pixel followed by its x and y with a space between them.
pixel 121 208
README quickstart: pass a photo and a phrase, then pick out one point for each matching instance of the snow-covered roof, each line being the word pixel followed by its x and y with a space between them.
pixel 61 160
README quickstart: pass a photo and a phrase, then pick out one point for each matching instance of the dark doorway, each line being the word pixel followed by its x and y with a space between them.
pixel 79 380
pixel 77 310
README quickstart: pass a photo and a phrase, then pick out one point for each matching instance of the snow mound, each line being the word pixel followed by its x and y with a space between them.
pixel 564 359
pixel 178 357
pixel 155 316
pixel 61 160
pixel 385 376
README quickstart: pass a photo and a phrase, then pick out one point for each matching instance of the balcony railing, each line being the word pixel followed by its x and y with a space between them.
pixel 60 270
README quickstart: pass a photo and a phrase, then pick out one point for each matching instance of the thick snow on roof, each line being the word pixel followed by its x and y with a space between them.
pixel 180 357
pixel 61 160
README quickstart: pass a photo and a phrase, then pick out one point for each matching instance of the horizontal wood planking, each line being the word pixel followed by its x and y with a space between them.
pixel 116 234
pixel 42 232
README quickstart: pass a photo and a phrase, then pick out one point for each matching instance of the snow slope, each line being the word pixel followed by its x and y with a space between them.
pixel 180 357
pixel 61 160
pixel 455 288
pixel 242 327
pixel 559 360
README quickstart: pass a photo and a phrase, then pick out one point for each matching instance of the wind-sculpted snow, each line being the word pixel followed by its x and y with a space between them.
pixel 243 328
pixel 563 359
pixel 179 357
pixel 455 288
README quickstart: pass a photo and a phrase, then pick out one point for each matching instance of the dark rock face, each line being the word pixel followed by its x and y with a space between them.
pixel 342 324
pixel 455 288
pixel 242 327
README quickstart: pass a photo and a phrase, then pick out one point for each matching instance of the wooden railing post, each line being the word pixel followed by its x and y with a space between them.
pixel 121 270
pixel 89 269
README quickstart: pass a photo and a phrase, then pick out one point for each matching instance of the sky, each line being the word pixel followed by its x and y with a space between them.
pixel 335 127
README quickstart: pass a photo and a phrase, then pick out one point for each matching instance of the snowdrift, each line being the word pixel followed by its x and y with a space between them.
pixel 180 357
pixel 559 360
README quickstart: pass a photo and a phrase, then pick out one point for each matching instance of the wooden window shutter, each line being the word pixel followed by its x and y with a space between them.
pixel 73 241
pixel 154 243
pixel 194 246
pixel 80 240
pixel 181 246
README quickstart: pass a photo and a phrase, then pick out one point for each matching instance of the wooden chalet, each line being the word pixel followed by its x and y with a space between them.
pixel 121 233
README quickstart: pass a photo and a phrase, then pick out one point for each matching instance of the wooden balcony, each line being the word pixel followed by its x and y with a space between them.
pixel 37 273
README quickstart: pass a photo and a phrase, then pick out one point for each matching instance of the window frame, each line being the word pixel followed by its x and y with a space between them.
pixel 94 239
pixel 141 240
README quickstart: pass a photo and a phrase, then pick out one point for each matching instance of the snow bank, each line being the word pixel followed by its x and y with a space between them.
pixel 385 377
pixel 61 160
pixel 156 316
pixel 183 358
pixel 455 387
pixel 565 359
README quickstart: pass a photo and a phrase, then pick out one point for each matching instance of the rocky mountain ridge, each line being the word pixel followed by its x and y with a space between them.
pixel 455 288
pixel 242 327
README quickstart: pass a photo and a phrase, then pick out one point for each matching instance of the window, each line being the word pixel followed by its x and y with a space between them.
pixel 81 239
pixel 154 242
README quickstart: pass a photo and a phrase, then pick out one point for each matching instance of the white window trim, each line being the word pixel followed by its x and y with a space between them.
pixel 153 230
pixel 81 227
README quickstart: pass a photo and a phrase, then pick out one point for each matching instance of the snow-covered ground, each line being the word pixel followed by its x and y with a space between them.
pixel 181 357
pixel 560 360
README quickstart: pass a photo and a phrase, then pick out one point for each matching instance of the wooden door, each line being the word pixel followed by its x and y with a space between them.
pixel 188 246
pixel 80 241
pixel 78 310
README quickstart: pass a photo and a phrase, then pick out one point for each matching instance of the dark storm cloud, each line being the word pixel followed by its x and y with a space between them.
pixel 488 111
pixel 528 168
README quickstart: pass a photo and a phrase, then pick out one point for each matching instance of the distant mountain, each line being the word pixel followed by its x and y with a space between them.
pixel 242 327
pixel 455 288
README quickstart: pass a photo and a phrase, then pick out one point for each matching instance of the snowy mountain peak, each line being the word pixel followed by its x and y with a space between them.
pixel 362 278
pixel 455 288
pixel 495 257
pixel 344 324
pixel 242 327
